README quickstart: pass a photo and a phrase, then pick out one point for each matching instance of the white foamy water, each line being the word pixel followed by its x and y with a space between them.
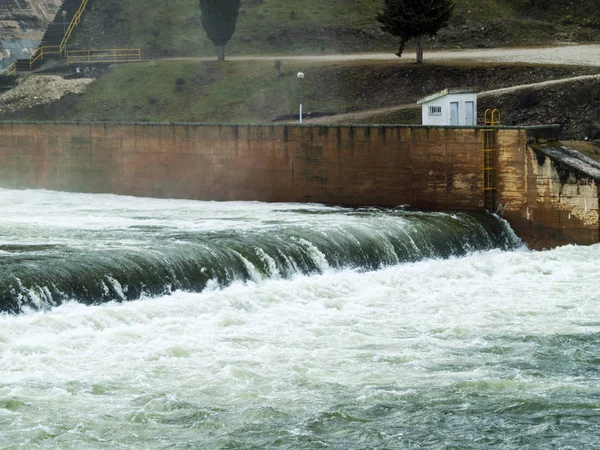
pixel 494 348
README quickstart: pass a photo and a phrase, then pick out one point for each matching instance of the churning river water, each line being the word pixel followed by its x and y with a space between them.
pixel 157 324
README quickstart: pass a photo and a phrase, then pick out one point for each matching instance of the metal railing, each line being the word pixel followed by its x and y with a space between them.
pixel 74 22
pixel 41 52
pixel 9 70
pixel 491 119
pixel 106 55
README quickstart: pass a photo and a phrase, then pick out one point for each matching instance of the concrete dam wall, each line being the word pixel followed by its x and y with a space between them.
pixel 550 195
pixel 432 168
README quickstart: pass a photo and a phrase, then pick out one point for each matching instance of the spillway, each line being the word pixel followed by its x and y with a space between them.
pixel 57 247
pixel 139 323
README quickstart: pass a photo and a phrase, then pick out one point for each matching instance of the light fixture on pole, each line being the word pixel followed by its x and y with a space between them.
pixel 300 77
pixel 64 14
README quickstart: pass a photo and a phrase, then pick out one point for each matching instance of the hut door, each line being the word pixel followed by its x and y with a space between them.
pixel 453 114
pixel 470 113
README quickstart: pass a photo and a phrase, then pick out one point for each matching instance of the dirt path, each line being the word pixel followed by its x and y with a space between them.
pixel 539 85
pixel 584 55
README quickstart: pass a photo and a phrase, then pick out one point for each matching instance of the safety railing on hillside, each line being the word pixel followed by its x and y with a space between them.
pixel 74 22
pixel 42 52
pixel 107 55
pixel 9 70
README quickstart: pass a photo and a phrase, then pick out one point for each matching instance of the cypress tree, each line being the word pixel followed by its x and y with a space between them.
pixel 218 19
pixel 408 19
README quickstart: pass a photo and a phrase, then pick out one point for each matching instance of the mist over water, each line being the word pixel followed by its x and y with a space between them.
pixel 477 345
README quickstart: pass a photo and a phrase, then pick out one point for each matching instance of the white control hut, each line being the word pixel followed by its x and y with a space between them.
pixel 450 107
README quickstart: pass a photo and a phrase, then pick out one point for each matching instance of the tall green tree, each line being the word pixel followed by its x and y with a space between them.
pixel 414 19
pixel 218 19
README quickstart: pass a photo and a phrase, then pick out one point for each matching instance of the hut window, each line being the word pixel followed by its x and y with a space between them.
pixel 435 110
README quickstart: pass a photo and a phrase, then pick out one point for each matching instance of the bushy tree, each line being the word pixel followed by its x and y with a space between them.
pixel 218 19
pixel 408 19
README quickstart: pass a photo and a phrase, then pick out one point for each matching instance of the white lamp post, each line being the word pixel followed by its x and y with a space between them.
pixel 64 14
pixel 300 77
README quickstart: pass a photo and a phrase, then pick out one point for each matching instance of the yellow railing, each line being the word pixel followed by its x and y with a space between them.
pixel 74 22
pixel 42 52
pixel 9 70
pixel 108 55
pixel 491 117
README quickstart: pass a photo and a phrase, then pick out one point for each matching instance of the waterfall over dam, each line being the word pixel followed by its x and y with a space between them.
pixel 137 323
pixel 58 247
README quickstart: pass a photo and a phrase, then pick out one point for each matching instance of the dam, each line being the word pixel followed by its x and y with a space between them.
pixel 139 322
pixel 547 199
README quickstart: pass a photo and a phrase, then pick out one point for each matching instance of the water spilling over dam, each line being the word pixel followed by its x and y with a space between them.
pixel 101 253
pixel 310 327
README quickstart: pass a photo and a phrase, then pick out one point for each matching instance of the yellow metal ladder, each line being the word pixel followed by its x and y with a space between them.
pixel 491 118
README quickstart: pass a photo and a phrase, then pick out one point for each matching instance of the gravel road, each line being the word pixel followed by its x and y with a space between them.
pixel 584 55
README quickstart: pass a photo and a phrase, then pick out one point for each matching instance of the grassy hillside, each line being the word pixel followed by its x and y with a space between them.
pixel 316 26
pixel 259 92
pixel 242 92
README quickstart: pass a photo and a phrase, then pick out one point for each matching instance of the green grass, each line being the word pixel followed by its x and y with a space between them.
pixel 174 28
pixel 251 92
pixel 164 28
pixel 189 91
pixel 219 92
